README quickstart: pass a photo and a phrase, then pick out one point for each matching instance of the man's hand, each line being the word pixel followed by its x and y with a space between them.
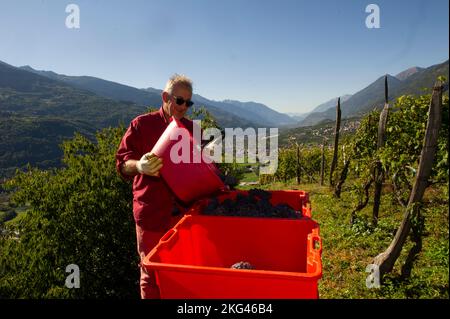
pixel 149 164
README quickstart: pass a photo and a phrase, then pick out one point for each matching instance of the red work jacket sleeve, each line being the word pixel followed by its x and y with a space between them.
pixel 129 148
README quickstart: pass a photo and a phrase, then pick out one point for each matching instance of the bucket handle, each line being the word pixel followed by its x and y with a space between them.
pixel 167 236
pixel 306 210
pixel 313 238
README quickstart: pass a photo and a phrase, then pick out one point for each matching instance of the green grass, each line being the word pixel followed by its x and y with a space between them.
pixel 249 177
pixel 347 250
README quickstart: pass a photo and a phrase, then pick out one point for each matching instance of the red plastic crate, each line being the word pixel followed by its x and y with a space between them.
pixel 193 259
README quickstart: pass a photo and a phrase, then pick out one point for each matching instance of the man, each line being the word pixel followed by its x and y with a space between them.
pixel 153 202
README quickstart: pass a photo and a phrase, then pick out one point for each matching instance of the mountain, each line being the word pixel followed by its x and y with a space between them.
pixel 152 90
pixel 38 113
pixel 143 97
pixel 298 117
pixel 257 116
pixel 416 81
pixel 250 111
pixel 408 72
pixel 423 81
pixel 40 109
pixel 104 88
pixel 35 139
pixel 331 103
pixel 26 93
pixel 367 98
pixel 313 135
pixel 270 116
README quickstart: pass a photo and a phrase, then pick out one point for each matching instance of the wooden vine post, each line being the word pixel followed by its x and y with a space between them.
pixel 386 259
pixel 322 164
pixel 336 140
pixel 343 177
pixel 298 163
pixel 378 172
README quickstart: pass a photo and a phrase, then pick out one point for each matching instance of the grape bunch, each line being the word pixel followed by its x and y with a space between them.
pixel 229 180
pixel 242 265
pixel 255 204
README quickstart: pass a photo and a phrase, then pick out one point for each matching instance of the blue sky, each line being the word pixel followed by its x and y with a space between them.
pixel 289 55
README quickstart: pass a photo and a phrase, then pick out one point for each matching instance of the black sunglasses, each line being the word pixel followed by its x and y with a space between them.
pixel 181 101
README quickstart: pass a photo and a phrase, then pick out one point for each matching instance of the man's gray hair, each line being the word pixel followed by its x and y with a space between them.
pixel 178 80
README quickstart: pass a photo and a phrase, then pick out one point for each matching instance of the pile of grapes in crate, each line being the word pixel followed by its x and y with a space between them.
pixel 255 204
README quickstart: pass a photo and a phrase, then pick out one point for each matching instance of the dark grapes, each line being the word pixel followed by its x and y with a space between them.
pixel 229 180
pixel 242 265
pixel 255 204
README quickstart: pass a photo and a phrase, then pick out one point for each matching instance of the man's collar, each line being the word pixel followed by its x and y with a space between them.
pixel 161 113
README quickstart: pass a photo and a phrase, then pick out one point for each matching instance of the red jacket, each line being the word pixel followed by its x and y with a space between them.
pixel 153 201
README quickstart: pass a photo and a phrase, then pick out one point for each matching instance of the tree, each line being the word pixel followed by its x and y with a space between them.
pixel 79 214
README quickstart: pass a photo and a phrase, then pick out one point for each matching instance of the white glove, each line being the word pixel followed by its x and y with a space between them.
pixel 149 164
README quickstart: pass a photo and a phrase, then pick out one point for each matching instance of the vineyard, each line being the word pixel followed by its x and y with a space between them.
pixel 380 194
pixel 348 249
pixel 369 192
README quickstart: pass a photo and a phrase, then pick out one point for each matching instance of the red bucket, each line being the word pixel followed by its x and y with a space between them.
pixel 187 174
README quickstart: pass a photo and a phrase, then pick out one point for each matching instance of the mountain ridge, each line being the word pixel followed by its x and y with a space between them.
pixel 372 96
pixel 227 114
pixel 408 72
